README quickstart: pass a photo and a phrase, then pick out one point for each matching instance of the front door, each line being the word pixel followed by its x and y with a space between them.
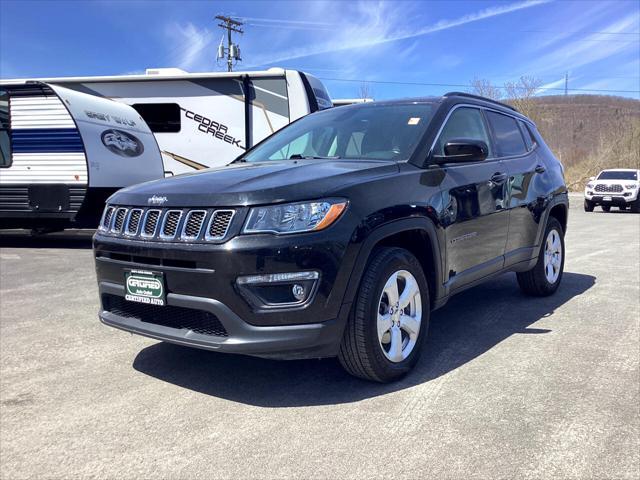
pixel 474 195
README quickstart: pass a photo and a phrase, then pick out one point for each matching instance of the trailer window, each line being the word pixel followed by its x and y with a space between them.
pixel 5 140
pixel 161 117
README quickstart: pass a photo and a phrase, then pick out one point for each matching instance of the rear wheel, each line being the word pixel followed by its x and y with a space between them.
pixel 545 277
pixel 389 319
pixel 606 208
pixel 588 206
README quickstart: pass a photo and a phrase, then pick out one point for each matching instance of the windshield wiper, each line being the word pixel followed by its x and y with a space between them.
pixel 297 156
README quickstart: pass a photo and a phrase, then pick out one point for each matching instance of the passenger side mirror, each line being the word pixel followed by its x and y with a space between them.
pixel 459 150
pixel 592 178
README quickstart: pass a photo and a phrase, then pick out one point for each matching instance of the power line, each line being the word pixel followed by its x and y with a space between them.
pixel 464 85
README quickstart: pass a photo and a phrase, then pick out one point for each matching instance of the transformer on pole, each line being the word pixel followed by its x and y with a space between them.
pixel 232 51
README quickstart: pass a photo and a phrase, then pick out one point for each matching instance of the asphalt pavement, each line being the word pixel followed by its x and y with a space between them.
pixel 508 386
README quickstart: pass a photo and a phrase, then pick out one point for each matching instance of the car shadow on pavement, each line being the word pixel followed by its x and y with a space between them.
pixel 68 239
pixel 468 326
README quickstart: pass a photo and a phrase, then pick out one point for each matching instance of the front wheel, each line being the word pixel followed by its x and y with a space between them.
pixel 545 277
pixel 389 319
pixel 588 206
pixel 606 208
pixel 635 205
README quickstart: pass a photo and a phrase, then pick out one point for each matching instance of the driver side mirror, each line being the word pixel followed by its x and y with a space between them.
pixel 460 150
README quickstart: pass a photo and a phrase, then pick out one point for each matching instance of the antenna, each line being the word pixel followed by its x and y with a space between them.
pixel 232 50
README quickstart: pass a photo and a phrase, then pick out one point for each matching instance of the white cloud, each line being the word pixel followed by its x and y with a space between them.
pixel 379 24
pixel 588 49
pixel 192 48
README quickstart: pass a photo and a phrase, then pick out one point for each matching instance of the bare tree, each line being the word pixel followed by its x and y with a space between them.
pixel 365 91
pixel 484 88
pixel 520 94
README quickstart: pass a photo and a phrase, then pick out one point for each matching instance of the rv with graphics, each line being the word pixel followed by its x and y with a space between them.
pixel 199 120
pixel 64 152
pixel 203 120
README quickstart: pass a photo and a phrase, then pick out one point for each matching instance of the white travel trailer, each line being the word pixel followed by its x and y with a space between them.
pixel 203 120
pixel 64 152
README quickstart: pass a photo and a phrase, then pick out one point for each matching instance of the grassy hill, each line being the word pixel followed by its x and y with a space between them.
pixel 589 132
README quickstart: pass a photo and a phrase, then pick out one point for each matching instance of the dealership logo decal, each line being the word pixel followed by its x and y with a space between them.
pixel 122 143
pixel 155 200
pixel 211 127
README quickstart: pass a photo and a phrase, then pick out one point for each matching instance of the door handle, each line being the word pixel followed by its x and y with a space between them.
pixel 540 169
pixel 498 178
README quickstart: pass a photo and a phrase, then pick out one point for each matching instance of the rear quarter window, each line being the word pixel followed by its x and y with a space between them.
pixel 507 134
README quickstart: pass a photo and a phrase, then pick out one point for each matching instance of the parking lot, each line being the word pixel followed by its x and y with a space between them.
pixel 508 385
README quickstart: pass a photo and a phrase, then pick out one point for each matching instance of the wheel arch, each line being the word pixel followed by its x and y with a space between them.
pixel 417 235
pixel 560 213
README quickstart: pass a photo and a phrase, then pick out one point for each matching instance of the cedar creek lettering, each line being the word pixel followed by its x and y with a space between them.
pixel 217 130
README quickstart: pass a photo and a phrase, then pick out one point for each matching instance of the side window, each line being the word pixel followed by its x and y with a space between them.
pixel 5 140
pixel 464 122
pixel 161 117
pixel 508 137
pixel 529 138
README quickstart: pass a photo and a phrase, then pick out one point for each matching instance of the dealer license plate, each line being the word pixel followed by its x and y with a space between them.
pixel 606 199
pixel 143 286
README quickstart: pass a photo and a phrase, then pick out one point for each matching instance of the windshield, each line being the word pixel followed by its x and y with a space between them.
pixel 618 175
pixel 377 132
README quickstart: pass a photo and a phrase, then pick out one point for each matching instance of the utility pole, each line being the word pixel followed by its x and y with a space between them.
pixel 566 84
pixel 232 51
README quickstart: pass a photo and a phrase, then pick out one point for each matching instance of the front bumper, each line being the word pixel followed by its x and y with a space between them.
pixel 312 340
pixel 611 199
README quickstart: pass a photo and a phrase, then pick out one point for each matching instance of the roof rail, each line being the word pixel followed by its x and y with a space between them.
pixel 478 97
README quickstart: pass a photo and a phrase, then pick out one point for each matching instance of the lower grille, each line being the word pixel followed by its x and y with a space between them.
pixel 180 318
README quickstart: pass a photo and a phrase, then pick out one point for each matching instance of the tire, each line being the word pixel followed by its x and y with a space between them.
pixel 537 281
pixel 588 206
pixel 606 208
pixel 635 205
pixel 368 354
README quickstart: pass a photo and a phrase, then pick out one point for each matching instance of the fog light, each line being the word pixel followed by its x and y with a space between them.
pixel 298 291
pixel 279 290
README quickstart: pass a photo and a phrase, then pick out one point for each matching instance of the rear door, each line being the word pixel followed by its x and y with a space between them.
pixel 519 154
pixel 474 195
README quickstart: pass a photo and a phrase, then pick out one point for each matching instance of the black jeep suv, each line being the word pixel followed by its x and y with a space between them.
pixel 339 234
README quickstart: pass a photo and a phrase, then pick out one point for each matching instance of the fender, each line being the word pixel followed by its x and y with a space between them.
pixel 548 203
pixel 387 230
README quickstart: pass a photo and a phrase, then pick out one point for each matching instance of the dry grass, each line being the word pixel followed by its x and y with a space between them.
pixel 589 133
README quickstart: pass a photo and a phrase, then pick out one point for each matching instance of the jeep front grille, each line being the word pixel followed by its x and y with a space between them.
pixel 133 222
pixel 608 188
pixel 105 224
pixel 150 223
pixel 118 221
pixel 193 224
pixel 219 224
pixel 167 224
pixel 170 224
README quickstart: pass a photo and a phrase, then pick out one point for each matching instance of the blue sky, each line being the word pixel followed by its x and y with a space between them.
pixel 409 42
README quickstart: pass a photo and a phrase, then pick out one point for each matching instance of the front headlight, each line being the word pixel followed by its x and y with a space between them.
pixel 631 186
pixel 589 185
pixel 294 217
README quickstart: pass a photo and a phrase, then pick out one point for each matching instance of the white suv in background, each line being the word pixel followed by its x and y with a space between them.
pixel 613 188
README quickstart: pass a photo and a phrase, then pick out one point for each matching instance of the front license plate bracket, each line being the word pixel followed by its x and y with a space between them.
pixel 144 286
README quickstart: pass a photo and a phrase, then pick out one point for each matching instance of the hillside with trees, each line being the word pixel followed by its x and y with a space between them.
pixel 587 133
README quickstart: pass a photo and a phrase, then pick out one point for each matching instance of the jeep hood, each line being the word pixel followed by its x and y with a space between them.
pixel 244 184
